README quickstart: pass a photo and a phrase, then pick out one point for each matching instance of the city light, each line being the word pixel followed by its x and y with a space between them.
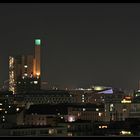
pixel 97 109
pixel 103 126
pixel 37 42
pixel 35 82
pixel 17 109
pixel 125 132
pixel 71 118
pixel 124 101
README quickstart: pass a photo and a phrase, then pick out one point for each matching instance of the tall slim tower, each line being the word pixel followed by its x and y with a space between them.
pixel 37 67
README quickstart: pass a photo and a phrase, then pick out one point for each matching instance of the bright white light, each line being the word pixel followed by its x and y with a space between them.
pixel 97 109
pixel 71 118
pixel 25 66
pixel 0 103
pixel 17 109
pixel 100 114
pixel 84 109
pixel 125 132
pixel 25 74
pixel 35 82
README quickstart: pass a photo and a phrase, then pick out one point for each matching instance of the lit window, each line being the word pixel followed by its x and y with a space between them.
pixel 83 101
pixel 104 126
pixel 111 107
pixel 100 126
pixel 100 114
pixel 97 109
pixel 69 134
pixel 84 109
pixel 35 82
pixel 125 132
pixel 125 101
pixel 124 110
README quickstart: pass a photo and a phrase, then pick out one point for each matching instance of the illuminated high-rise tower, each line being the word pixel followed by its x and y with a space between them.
pixel 37 67
pixel 25 71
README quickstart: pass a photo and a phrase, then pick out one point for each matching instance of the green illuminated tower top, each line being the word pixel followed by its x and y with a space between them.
pixel 37 42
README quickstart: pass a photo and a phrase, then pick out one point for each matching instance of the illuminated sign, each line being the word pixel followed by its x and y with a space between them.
pixel 37 42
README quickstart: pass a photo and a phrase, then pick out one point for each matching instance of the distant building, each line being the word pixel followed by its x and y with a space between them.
pixel 43 97
pixel 45 114
pixel 24 71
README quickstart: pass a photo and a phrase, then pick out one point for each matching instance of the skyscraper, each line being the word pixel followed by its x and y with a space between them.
pixel 37 58
pixel 25 72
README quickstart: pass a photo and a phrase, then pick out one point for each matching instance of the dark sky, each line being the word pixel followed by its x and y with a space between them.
pixel 82 44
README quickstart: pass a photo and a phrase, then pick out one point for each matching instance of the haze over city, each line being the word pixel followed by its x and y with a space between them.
pixel 82 44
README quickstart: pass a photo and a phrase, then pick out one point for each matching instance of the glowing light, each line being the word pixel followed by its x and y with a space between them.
pixel 1 109
pixel 100 114
pixel 125 132
pixel 98 88
pixel 25 66
pixel 124 101
pixel 97 109
pixel 71 118
pixel 0 103
pixel 37 73
pixel 51 131
pixel 103 126
pixel 84 109
pixel 17 109
pixel 35 82
pixel 11 75
pixel 37 42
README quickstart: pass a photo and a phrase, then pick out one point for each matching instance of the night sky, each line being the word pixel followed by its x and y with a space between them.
pixel 82 44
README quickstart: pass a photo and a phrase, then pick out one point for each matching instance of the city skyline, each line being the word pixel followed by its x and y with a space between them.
pixel 82 44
